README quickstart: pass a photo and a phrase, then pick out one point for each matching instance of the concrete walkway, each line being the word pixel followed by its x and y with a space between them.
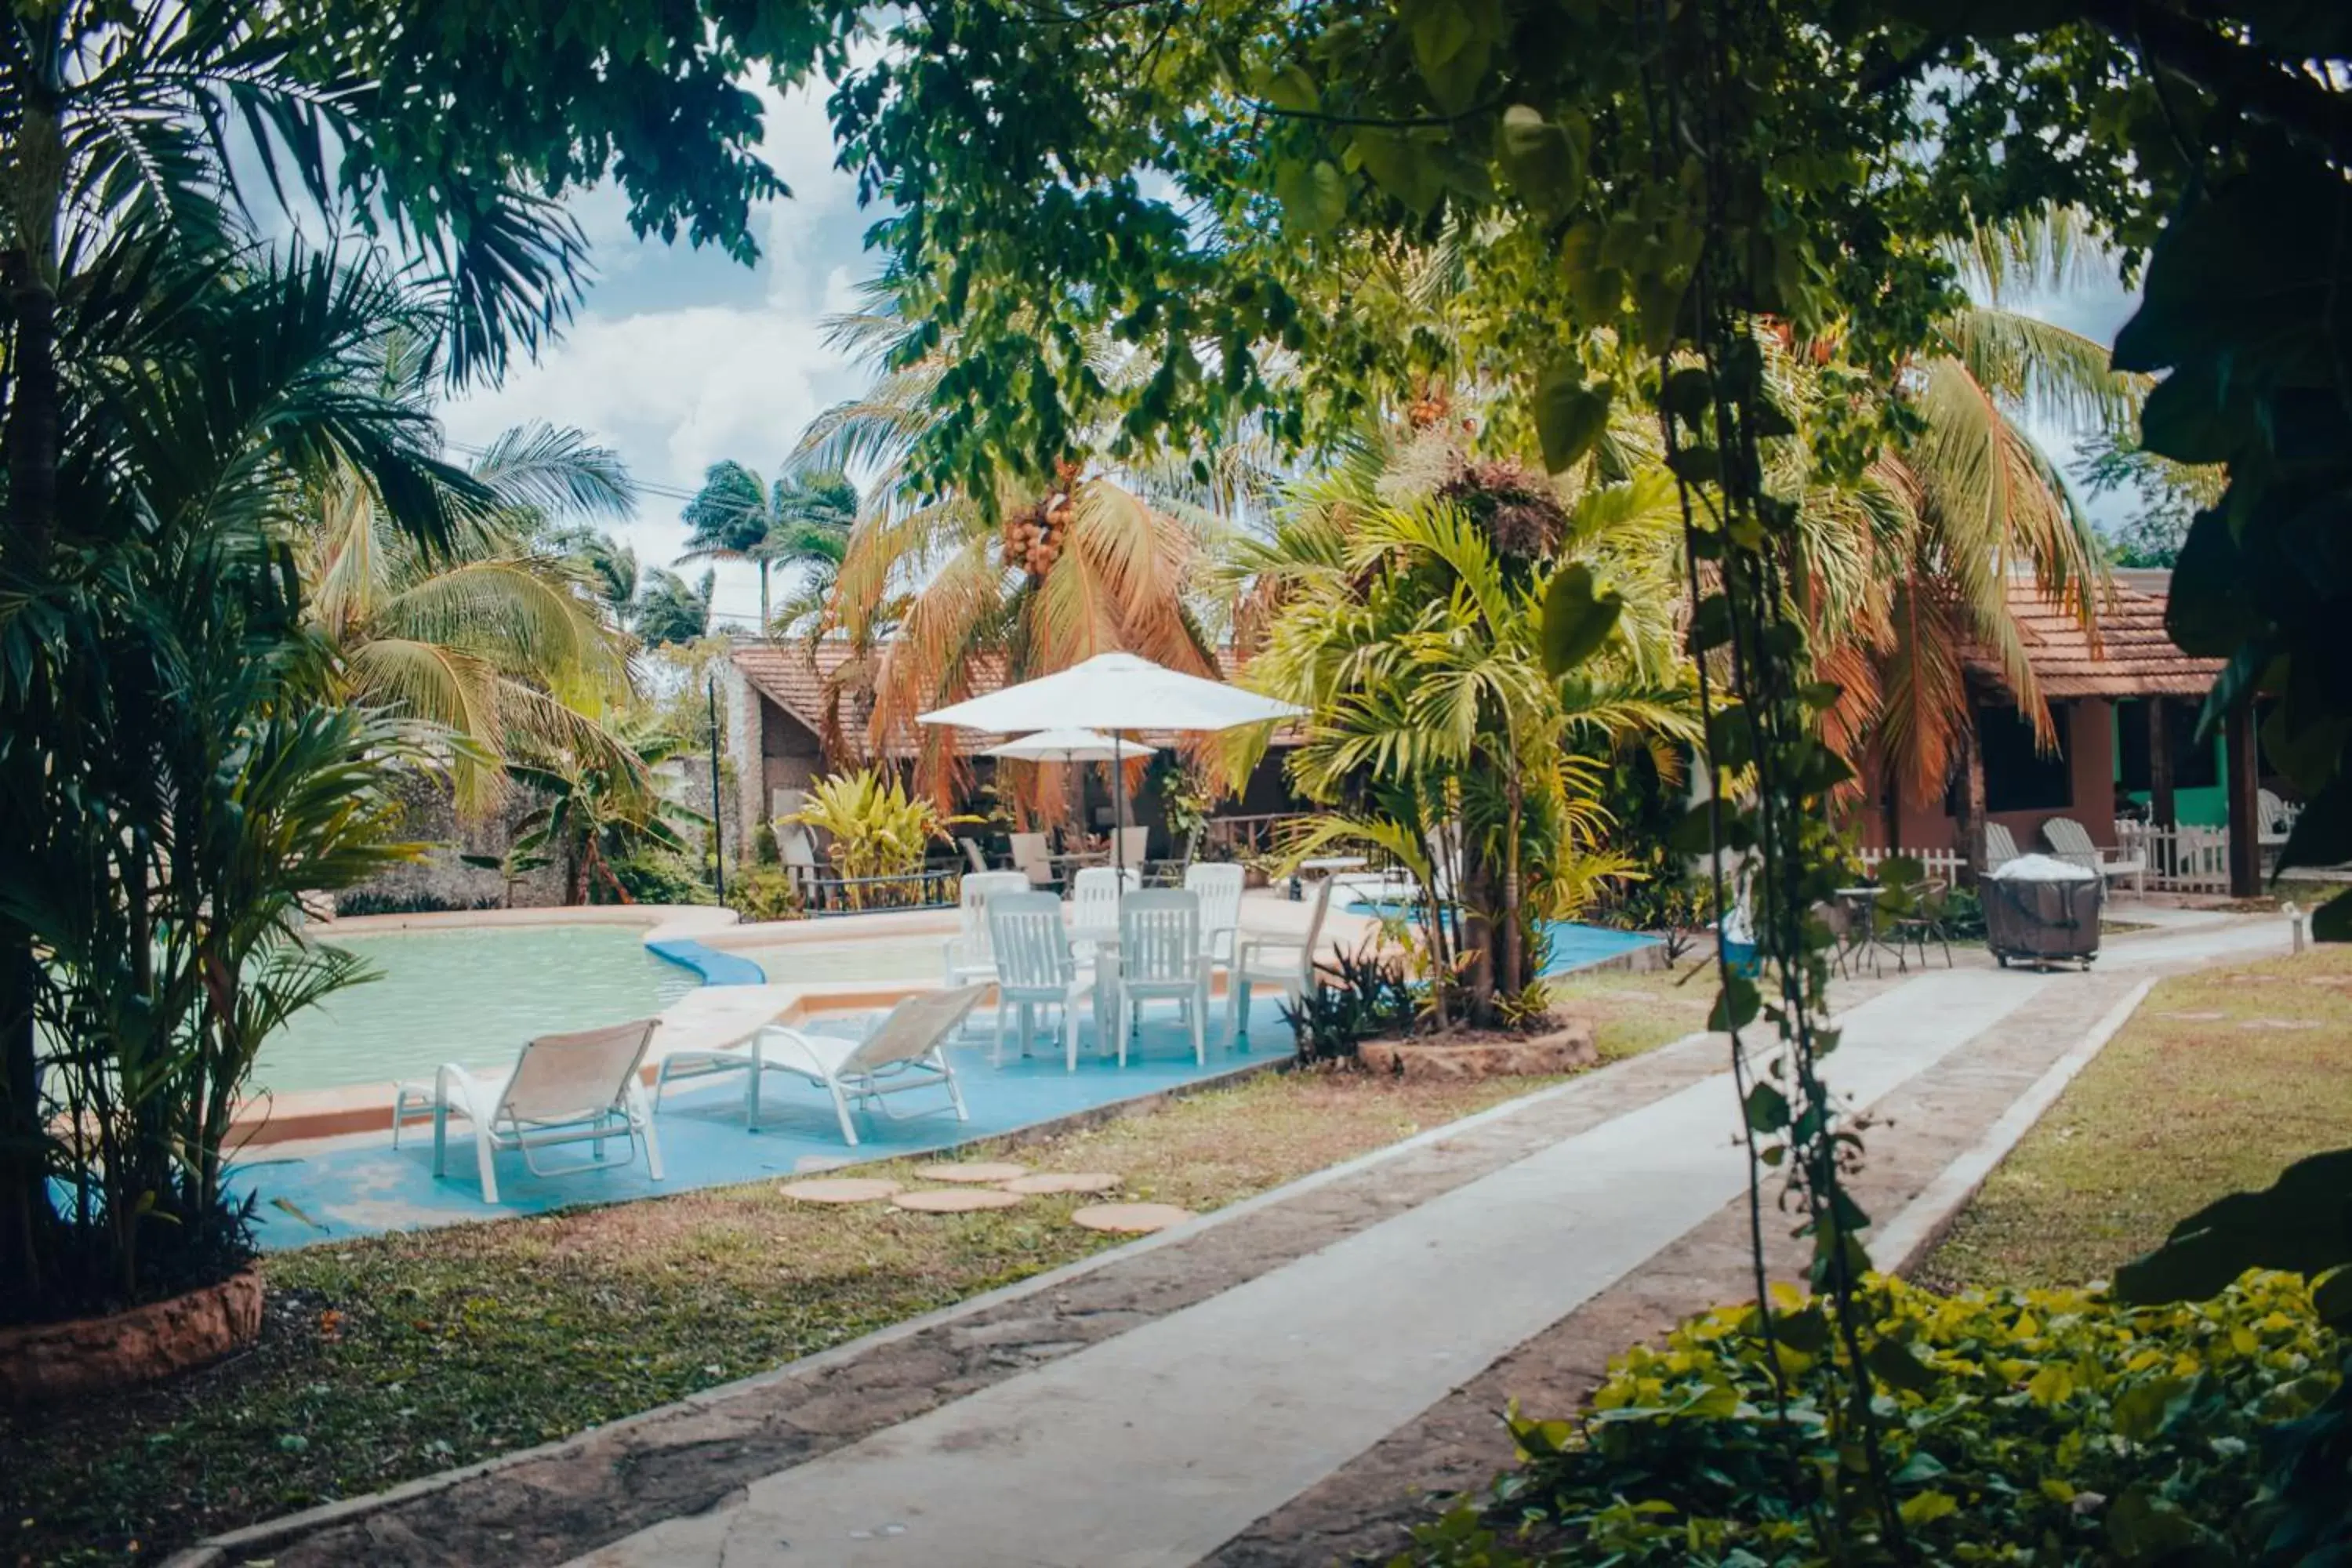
pixel 1158 1446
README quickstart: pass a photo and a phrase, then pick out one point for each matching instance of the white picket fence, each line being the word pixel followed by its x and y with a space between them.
pixel 2185 859
pixel 1942 864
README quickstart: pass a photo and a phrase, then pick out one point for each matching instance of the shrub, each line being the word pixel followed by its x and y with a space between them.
pixel 655 875
pixel 2042 1426
pixel 380 902
pixel 764 893
pixel 1363 995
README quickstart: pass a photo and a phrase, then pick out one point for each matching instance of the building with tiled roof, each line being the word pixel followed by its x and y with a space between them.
pixel 2124 705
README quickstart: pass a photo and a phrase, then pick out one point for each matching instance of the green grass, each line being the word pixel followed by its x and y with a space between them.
pixel 1637 1012
pixel 398 1356
pixel 2178 1109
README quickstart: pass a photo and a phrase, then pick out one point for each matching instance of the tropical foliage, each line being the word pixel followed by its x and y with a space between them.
pixel 801 519
pixel 1407 617
pixel 1029 573
pixel 600 805
pixel 2050 1423
pixel 488 637
pixel 874 826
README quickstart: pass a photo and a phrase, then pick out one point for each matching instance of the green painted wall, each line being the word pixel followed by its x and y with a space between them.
pixel 2205 806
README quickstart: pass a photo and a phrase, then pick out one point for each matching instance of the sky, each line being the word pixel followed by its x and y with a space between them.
pixel 680 358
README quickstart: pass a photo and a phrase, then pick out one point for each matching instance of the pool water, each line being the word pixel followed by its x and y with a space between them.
pixel 1573 946
pixel 469 996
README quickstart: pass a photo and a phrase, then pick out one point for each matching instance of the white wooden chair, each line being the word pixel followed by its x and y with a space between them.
pixel 1095 896
pixel 2071 842
pixel 904 1052
pixel 1035 968
pixel 2274 819
pixel 1134 844
pixel 1031 858
pixel 969 954
pixel 973 854
pixel 1159 961
pixel 1284 963
pixel 2000 845
pixel 580 1087
pixel 1219 888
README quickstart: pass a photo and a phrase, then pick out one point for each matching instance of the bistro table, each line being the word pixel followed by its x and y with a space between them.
pixel 1862 939
pixel 1326 865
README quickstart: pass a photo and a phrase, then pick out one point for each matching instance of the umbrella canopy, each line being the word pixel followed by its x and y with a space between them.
pixel 1115 691
pixel 1069 746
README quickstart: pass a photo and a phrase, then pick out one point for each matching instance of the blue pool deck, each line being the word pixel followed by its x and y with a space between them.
pixel 364 1186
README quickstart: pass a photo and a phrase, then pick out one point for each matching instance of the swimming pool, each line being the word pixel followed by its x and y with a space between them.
pixel 876 958
pixel 1573 945
pixel 471 995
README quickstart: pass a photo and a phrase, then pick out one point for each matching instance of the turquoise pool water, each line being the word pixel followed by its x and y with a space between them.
pixel 470 996
pixel 1573 946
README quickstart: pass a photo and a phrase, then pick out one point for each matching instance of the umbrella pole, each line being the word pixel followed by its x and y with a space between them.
pixel 1118 807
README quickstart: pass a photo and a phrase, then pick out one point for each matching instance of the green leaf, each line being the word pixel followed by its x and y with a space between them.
pixel 2332 1299
pixel 1578 616
pixel 1806 1330
pixel 2301 1224
pixel 1735 1006
pixel 2142 1410
pixel 1919 1470
pixel 1406 168
pixel 1543 160
pixel 1926 1508
pixel 2143 1528
pixel 1895 1365
pixel 1453 41
pixel 1687 395
pixel 1768 1109
pixel 1569 415
pixel 1314 196
pixel 2333 919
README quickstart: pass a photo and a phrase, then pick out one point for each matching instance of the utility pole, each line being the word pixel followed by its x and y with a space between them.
pixel 718 845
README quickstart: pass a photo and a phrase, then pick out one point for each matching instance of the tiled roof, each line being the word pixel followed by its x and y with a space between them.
pixel 2132 655
pixel 794 677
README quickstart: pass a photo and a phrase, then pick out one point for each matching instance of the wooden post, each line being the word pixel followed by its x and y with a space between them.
pixel 2245 785
pixel 2160 806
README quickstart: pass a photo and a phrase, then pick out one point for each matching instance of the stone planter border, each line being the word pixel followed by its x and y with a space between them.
pixel 41 1364
pixel 1569 1049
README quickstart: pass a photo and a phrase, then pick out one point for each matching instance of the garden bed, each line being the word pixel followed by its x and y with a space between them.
pixel 2219 1081
pixel 398 1356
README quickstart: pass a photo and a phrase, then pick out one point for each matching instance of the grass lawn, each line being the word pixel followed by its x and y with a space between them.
pixel 2220 1080
pixel 1637 1012
pixel 398 1356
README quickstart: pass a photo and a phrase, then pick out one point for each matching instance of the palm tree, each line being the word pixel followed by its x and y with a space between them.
pixel 1406 616
pixel 799 519
pixel 489 640
pixel 669 611
pixel 1043 572
pixel 601 807
pixel 1917 560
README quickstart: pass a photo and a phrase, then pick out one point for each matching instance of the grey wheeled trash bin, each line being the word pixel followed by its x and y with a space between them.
pixel 2042 910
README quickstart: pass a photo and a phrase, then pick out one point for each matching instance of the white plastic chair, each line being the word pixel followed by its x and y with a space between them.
pixel 2071 842
pixel 1159 961
pixel 906 1051
pixel 1035 968
pixel 1030 859
pixel 563 1088
pixel 1134 844
pixel 969 955
pixel 1219 888
pixel 1094 904
pixel 2274 819
pixel 1286 963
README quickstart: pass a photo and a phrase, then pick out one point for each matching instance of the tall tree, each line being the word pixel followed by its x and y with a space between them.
pixel 800 518
pixel 670 610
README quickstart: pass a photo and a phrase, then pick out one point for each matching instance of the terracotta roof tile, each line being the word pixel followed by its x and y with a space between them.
pixel 2133 655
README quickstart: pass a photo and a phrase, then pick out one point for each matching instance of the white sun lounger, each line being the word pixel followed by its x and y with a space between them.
pixel 2071 842
pixel 904 1052
pixel 563 1088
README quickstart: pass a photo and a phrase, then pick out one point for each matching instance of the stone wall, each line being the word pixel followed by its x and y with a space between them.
pixel 440 880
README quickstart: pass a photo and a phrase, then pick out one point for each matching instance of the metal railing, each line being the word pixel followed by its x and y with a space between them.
pixel 1245 838
pixel 925 889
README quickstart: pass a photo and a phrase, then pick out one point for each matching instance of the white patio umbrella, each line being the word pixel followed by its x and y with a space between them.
pixel 1069 746
pixel 1111 692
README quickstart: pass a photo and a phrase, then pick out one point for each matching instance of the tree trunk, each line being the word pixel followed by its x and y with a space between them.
pixel 764 611
pixel 1514 978
pixel 28 274
pixel 2244 781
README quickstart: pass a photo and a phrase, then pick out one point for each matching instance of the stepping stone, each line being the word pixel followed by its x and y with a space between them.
pixel 1130 1219
pixel 1064 1182
pixel 2194 1017
pixel 980 1172
pixel 955 1200
pixel 2280 1024
pixel 841 1190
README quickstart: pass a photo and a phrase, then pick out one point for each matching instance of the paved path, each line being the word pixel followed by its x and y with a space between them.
pixel 1158 1446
